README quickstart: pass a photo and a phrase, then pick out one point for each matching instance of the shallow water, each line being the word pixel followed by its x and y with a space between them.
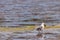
pixel 17 12
pixel 32 35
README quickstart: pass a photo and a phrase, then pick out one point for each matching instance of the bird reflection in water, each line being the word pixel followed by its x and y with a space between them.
pixel 40 36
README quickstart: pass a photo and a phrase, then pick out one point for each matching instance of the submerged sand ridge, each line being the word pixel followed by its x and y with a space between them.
pixel 49 34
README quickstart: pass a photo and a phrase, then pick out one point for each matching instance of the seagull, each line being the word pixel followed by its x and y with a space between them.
pixel 41 27
pixel 40 30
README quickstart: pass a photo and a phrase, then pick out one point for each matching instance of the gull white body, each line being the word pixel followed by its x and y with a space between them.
pixel 42 25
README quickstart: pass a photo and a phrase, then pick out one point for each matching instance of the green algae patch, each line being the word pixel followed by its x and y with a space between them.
pixel 25 28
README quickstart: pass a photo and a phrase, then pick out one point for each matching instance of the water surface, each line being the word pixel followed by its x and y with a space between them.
pixel 17 12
